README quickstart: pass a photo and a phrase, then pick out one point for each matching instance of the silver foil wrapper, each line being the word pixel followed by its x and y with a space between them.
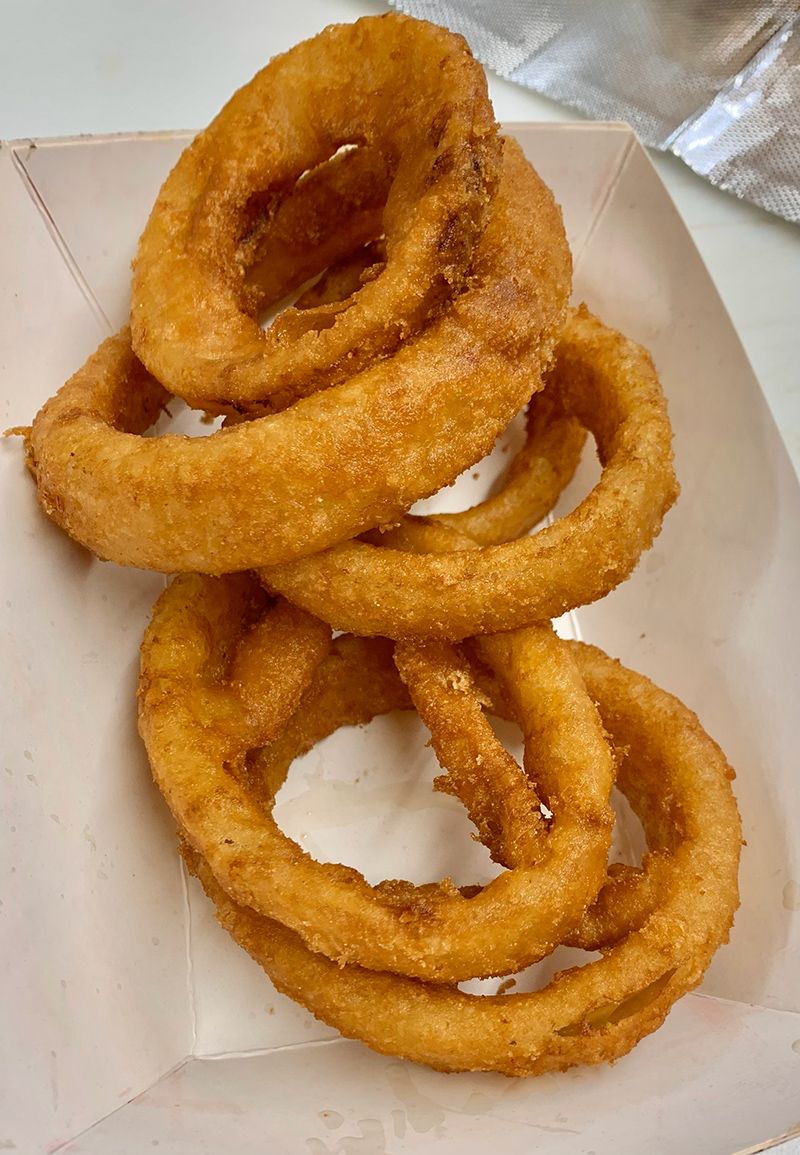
pixel 716 82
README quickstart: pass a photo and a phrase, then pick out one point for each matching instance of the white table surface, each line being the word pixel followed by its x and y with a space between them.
pixel 94 66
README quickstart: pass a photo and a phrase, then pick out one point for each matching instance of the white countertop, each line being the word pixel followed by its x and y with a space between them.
pixel 94 67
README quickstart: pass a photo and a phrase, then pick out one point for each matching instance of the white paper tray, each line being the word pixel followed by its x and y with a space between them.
pixel 119 986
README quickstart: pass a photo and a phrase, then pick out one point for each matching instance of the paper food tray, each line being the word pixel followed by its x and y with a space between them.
pixel 131 1022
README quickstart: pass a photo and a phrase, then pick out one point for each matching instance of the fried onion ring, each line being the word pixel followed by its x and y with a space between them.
pixel 337 463
pixel 198 752
pixel 609 384
pixel 190 321
pixel 678 782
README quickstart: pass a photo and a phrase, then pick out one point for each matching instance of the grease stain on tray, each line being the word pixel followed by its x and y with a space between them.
pixel 370 1141
pixel 54 1080
pixel 791 895
pixel 479 1103
pixel 423 1114
pixel 332 1119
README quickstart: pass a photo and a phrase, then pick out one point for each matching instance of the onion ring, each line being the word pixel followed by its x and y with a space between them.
pixel 610 385
pixel 198 752
pixel 334 464
pixel 190 324
pixel 590 1014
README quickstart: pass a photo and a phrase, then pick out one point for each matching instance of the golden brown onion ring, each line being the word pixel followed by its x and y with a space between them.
pixel 335 464
pixel 609 384
pixel 190 322
pixel 200 754
pixel 590 1014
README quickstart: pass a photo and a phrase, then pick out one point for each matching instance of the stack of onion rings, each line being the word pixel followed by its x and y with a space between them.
pixel 438 310
pixel 336 463
pixel 655 949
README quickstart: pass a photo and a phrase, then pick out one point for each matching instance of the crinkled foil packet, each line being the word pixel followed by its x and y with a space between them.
pixel 716 82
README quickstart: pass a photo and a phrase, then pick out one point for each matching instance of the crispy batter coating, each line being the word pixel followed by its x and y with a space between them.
pixel 522 497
